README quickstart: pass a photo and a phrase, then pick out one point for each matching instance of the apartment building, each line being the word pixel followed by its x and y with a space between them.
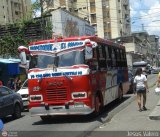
pixel 12 10
pixel 110 18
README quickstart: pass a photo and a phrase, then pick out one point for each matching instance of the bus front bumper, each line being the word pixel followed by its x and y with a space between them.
pixel 60 110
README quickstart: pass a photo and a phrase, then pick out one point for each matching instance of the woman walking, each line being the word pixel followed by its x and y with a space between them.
pixel 140 81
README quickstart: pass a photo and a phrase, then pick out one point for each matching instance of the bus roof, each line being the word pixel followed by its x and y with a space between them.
pixel 76 38
pixel 62 45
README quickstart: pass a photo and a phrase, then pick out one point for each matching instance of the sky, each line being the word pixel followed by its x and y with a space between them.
pixel 37 12
pixel 145 16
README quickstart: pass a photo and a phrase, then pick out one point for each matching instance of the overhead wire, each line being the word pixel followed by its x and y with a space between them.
pixel 112 18
pixel 134 18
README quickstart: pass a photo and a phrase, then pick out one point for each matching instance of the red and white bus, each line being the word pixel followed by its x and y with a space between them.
pixel 75 76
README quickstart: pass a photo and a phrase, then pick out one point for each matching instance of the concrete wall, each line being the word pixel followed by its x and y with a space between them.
pixel 112 26
pixel 66 24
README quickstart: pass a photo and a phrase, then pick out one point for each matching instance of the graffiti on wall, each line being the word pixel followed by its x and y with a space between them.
pixel 71 28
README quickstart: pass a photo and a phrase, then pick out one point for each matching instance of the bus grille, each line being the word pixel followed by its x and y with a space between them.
pixel 58 94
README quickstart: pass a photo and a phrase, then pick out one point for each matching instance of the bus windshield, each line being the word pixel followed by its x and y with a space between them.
pixel 67 59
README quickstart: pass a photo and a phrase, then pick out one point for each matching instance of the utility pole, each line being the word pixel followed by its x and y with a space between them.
pixel 142 27
pixel 87 12
pixel 42 19
pixel 41 6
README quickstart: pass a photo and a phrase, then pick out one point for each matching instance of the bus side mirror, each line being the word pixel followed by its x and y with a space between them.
pixel 89 45
pixel 88 52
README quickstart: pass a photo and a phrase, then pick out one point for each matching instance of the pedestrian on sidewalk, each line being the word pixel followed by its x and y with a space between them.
pixel 141 88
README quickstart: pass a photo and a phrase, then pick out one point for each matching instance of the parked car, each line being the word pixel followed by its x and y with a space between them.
pixel 130 79
pixel 155 70
pixel 24 94
pixel 10 103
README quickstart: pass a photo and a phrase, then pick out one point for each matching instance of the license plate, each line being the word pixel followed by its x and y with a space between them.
pixel 78 105
pixel 25 103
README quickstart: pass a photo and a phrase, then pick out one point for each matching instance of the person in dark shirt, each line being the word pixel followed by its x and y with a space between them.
pixel 10 84
pixel 17 84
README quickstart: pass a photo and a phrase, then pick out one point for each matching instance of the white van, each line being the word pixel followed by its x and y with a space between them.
pixel 24 94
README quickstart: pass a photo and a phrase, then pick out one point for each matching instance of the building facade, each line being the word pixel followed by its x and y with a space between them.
pixel 12 10
pixel 141 46
pixel 110 18
pixel 67 25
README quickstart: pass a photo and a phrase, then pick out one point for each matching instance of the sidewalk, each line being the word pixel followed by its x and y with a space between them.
pixel 155 114
pixel 130 119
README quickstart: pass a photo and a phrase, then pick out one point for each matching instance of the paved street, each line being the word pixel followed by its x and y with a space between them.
pixel 76 125
pixel 117 116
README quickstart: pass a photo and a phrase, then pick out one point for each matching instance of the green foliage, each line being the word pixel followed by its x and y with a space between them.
pixel 48 29
pixel 9 45
pixel 36 5
pixel 9 42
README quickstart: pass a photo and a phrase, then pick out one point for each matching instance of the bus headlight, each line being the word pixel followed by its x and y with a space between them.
pixel 79 95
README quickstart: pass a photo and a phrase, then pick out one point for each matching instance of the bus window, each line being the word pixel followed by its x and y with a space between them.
pixel 109 59
pixel 101 57
pixel 93 63
pixel 94 53
pixel 123 58
pixel 113 58
pixel 118 58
